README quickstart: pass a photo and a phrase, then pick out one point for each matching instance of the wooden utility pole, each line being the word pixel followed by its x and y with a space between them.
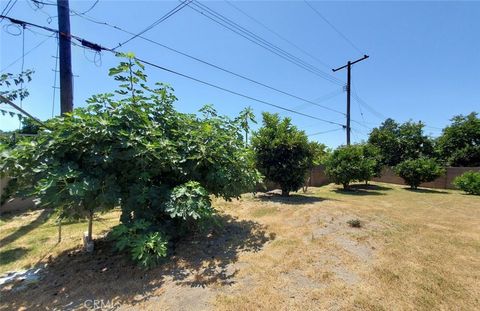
pixel 65 47
pixel 349 79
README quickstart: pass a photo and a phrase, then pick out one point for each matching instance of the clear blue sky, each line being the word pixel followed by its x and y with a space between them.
pixel 424 58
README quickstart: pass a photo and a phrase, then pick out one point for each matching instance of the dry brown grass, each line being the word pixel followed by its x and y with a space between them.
pixel 415 251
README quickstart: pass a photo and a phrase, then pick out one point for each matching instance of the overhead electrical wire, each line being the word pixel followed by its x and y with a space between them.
pixel 23 64
pixel 90 8
pixel 156 23
pixel 236 93
pixel 314 102
pixel 26 53
pixel 367 106
pixel 333 27
pixel 323 98
pixel 7 10
pixel 250 36
pixel 215 66
pixel 98 47
pixel 54 87
pixel 278 35
pixel 325 132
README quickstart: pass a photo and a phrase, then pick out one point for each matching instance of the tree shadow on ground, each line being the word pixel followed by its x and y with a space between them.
pixel 13 254
pixel 424 190
pixel 292 199
pixel 42 217
pixel 75 276
pixel 370 187
pixel 361 190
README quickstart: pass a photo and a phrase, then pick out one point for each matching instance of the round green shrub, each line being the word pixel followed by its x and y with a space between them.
pixel 469 182
pixel 417 171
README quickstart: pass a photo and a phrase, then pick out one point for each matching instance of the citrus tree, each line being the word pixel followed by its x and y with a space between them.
pixel 416 171
pixel 283 153
pixel 351 163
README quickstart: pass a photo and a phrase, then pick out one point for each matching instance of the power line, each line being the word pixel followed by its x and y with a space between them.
pixel 13 4
pixel 376 113
pixel 26 53
pixel 216 66
pixel 278 35
pixel 98 47
pixel 23 63
pixel 91 8
pixel 323 98
pixel 5 8
pixel 235 93
pixel 333 27
pixel 325 132
pixel 54 87
pixel 156 23
pixel 250 36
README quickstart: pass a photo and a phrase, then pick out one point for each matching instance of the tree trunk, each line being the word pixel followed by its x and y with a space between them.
pixel 87 237
pixel 90 225
pixel 345 186
pixel 285 193
pixel 59 230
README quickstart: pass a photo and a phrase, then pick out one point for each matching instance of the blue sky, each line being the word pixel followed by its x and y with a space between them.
pixel 424 58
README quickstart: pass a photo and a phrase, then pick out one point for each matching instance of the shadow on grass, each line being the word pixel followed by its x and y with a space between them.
pixel 357 191
pixel 424 190
pixel 42 217
pixel 11 255
pixel 292 199
pixel 369 187
pixel 74 276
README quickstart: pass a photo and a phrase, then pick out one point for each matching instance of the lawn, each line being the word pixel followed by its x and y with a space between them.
pixel 415 250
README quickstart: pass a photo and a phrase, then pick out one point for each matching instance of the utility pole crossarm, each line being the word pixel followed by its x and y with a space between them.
pixel 349 79
pixel 351 63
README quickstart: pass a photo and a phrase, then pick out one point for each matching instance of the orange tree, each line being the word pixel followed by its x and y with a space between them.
pixel 283 153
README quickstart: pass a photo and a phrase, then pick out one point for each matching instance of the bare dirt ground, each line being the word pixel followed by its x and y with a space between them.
pixel 414 251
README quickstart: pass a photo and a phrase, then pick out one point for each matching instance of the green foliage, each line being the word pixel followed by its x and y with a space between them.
pixel 373 161
pixel 8 191
pixel 459 144
pixel 319 152
pixel 468 182
pixel 246 116
pixel 399 142
pixel 9 83
pixel 351 163
pixel 283 153
pixel 416 171
pixel 189 200
pixel 354 223
pixel 145 245
pixel 132 149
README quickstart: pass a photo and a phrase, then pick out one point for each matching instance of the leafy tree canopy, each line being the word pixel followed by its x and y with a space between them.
pixel 459 144
pixel 398 142
pixel 351 163
pixel 283 153
pixel 132 149
pixel 416 171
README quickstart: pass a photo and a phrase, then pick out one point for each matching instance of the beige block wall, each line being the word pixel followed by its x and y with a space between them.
pixel 318 177
pixel 15 204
